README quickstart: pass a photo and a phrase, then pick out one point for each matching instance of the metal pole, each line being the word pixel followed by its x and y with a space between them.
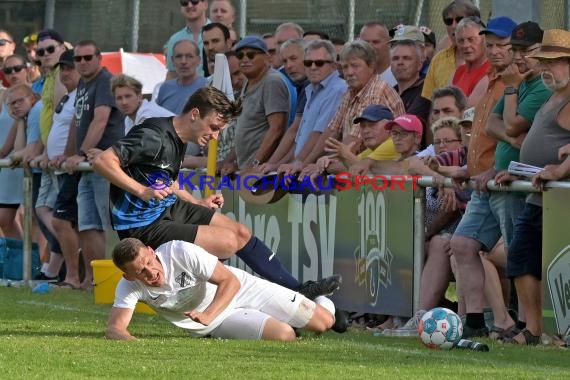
pixel 419 10
pixel 419 241
pixel 49 14
pixel 567 10
pixel 351 19
pixel 28 215
pixel 243 18
pixel 136 5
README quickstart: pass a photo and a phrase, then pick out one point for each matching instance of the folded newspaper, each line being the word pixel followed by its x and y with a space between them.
pixel 524 170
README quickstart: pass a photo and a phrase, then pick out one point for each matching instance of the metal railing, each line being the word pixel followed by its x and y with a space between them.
pixel 419 202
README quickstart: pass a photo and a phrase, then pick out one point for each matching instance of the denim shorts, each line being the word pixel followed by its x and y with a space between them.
pixel 489 216
pixel 48 190
pixel 93 202
pixel 525 253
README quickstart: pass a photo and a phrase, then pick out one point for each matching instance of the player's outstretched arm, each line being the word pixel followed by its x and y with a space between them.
pixel 118 322
pixel 228 286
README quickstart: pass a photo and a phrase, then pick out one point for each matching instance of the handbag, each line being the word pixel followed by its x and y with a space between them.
pixel 12 259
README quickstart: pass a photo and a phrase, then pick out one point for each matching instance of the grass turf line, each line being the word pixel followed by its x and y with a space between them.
pixel 59 335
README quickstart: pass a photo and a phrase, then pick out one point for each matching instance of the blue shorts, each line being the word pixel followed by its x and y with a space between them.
pixel 525 253
pixel 489 216
pixel 92 202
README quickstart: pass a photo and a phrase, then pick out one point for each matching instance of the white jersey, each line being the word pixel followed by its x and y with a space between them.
pixel 146 110
pixel 187 268
pixel 57 138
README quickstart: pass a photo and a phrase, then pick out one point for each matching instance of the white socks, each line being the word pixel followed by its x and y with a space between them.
pixel 326 303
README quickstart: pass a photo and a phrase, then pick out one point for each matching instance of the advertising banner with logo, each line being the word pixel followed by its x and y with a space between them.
pixel 365 235
pixel 556 261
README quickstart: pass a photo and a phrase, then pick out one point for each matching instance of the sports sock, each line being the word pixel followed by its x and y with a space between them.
pixel 265 263
pixel 475 320
pixel 326 303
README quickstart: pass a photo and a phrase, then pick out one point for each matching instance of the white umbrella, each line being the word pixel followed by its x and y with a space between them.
pixel 148 68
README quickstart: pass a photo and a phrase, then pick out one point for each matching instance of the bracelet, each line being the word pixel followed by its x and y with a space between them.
pixel 510 90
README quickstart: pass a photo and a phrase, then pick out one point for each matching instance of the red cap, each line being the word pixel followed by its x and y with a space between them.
pixel 408 122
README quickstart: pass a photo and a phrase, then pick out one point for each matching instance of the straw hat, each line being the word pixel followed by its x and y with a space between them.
pixel 555 44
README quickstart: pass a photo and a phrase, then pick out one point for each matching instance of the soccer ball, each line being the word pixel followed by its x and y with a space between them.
pixel 440 328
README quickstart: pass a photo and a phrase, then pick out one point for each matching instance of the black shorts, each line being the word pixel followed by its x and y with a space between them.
pixel 525 251
pixel 65 207
pixel 179 222
pixel 9 205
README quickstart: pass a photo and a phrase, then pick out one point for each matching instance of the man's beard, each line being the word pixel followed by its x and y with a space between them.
pixel 552 83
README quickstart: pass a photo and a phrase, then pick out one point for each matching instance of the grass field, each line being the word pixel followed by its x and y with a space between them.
pixel 59 335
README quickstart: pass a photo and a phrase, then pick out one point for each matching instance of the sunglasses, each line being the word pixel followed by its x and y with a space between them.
pixel 16 69
pixel 87 58
pixel 250 54
pixel 318 62
pixel 61 103
pixel 31 39
pixel 45 51
pixel 193 2
pixel 449 20
pixel 4 41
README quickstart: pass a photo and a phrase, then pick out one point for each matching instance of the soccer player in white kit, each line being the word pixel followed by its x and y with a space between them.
pixel 192 289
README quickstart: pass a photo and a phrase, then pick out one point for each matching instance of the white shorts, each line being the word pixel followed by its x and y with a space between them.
pixel 257 301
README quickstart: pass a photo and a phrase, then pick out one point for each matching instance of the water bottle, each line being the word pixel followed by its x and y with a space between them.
pixel 41 288
pixel 471 345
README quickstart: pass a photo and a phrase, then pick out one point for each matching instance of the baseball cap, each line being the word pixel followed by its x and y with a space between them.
pixel 50 34
pixel 468 116
pixel 526 34
pixel 408 122
pixel 500 26
pixel 429 35
pixel 253 42
pixel 407 33
pixel 374 112
pixel 66 59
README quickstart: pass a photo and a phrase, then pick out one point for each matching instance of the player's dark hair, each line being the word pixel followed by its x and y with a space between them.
pixel 209 99
pixel 126 251
pixel 214 25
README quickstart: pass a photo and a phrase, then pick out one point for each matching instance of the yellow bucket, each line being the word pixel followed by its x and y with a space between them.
pixel 106 276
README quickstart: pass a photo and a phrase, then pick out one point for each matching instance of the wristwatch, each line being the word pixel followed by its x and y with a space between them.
pixel 510 90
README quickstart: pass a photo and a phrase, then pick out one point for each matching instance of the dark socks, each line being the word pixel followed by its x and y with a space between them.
pixel 266 264
pixel 475 320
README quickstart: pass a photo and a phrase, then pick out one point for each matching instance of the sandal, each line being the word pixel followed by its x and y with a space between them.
pixel 66 285
pixel 529 339
pixel 498 333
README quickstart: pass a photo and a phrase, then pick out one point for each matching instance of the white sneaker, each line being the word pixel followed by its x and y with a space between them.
pixel 410 328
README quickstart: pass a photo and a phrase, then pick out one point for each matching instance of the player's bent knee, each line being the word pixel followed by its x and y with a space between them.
pixel 277 330
pixel 243 233
pixel 321 321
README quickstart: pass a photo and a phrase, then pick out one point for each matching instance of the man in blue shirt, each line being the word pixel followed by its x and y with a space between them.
pixel 324 94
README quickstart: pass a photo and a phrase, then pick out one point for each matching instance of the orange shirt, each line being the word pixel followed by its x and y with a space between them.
pixel 481 153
